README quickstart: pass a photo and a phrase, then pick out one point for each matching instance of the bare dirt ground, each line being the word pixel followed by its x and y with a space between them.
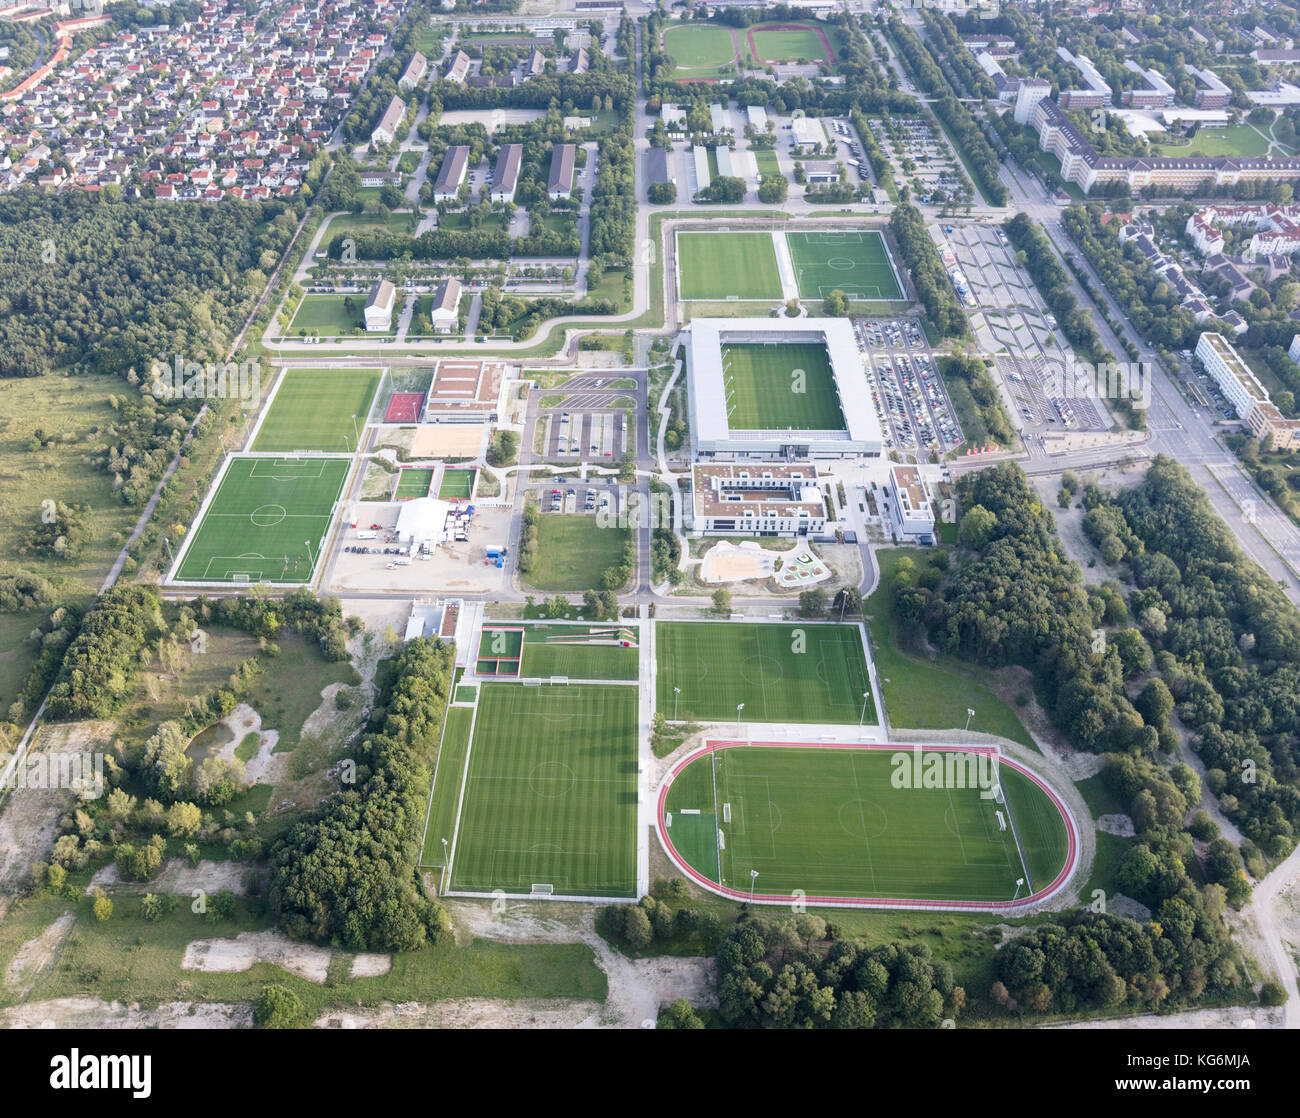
pixel 35 956
pixel 265 766
pixel 178 876
pixel 249 948
pixel 637 987
pixel 465 1013
pixel 29 818
pixel 1121 825
pixel 1237 1017
pixel 370 966
pixel 93 1013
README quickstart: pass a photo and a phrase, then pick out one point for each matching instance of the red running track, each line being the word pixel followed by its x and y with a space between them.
pixel 1071 856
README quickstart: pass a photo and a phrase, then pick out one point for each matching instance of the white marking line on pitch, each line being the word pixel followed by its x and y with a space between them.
pixel 785 266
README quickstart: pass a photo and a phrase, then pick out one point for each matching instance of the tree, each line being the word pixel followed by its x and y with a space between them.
pixel 812 603
pixel 103 907
pixel 277 1007
pixel 722 601
pixel 679 1015
pixel 637 932
pixel 836 304
pixel 661 193
pixel 977 527
pixel 183 820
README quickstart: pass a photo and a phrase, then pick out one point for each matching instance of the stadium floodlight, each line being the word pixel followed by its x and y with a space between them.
pixel 676 691
pixel 444 850
pixel 307 544
pixel 739 708
pixel 753 875
pixel 355 431
pixel 865 696
pixel 969 715
pixel 1019 882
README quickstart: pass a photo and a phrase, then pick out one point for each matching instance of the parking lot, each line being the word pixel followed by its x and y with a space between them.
pixel 932 161
pixel 595 436
pixel 907 390
pixel 588 499
pixel 1012 321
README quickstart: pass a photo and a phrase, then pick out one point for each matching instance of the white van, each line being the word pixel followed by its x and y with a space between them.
pixel 367 535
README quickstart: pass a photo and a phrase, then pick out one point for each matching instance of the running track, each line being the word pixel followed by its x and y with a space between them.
pixel 1071 857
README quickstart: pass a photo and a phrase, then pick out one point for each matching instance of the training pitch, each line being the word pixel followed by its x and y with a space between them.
pixel 579 652
pixel 788 385
pixel 551 794
pixel 855 262
pixel 318 409
pixel 781 672
pixel 837 824
pixel 267 521
pixel 720 265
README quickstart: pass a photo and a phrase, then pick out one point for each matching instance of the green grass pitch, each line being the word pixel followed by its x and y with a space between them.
pixel 854 262
pixel 543 659
pixel 446 783
pixel 779 387
pixel 787 46
pixel 830 822
pixel 782 673
pixel 313 409
pixel 456 485
pixel 413 483
pixel 716 265
pixel 698 49
pixel 268 521
pixel 555 805
pixel 330 315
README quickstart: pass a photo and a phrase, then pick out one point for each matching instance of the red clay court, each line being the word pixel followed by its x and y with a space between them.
pixel 404 407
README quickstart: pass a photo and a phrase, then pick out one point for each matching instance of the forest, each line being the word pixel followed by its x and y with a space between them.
pixel 921 259
pixel 103 286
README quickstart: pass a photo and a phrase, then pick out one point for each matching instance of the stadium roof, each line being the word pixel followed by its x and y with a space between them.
pixel 710 428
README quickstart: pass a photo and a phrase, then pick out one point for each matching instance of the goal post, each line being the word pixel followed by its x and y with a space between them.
pixel 542 890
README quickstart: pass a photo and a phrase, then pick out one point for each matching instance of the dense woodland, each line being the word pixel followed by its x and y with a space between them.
pixel 1204 637
pixel 348 876
pixel 110 286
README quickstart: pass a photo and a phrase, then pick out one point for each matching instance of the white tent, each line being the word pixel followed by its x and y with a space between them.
pixel 422 520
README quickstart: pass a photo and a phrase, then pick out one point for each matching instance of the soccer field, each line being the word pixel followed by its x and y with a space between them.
pixel 780 387
pixel 717 265
pixel 315 409
pixel 551 796
pixel 412 482
pixel 268 521
pixel 698 50
pixel 782 673
pixel 854 262
pixel 787 45
pixel 456 485
pixel 556 650
pixel 832 823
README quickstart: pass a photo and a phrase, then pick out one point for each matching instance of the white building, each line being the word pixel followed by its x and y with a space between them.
pixel 756 118
pixel 379 307
pixel 911 511
pixel 756 499
pixel 1031 92
pixel 808 133
pixel 1242 389
pixel 446 301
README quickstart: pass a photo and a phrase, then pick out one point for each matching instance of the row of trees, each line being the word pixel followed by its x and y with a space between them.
pixel 983 160
pixel 348 875
pixel 921 259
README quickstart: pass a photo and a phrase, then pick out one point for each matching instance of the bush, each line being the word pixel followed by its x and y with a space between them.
pixel 277 1007
pixel 1272 994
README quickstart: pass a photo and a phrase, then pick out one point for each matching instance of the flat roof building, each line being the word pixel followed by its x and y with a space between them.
pixel 756 499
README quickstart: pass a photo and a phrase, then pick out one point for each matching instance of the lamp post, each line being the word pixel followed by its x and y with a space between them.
pixel 355 431
pixel 969 715
pixel 307 544
pixel 739 708
pixel 676 691
pixel 1019 882
pixel 753 874
pixel 865 696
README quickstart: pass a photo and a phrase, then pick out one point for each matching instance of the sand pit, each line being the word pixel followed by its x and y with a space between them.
pixel 726 562
pixel 448 440
pixel 228 956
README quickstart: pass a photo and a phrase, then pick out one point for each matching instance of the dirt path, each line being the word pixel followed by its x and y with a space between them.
pixel 30 818
pixel 224 956
pixel 465 1013
pixel 93 1013
pixel 637 987
pixel 1271 911
pixel 35 956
